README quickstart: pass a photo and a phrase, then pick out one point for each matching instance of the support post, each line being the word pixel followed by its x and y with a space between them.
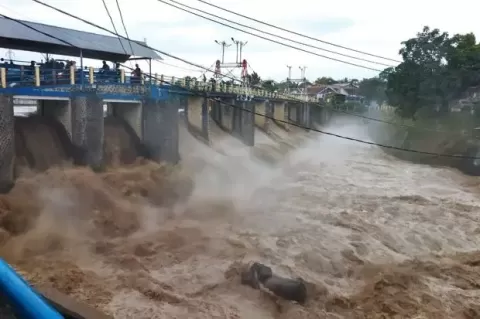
pixel 122 76
pixel 91 77
pixel 72 75
pixel 37 75
pixel 3 77
pixel 7 143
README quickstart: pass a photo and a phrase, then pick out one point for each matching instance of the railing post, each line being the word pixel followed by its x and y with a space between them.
pixel 161 79
pixel 122 76
pixel 173 81
pixel 3 77
pixel 156 79
pixel 37 75
pixel 72 75
pixel 91 78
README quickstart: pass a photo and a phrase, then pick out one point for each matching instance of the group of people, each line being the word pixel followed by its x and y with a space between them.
pixel 60 72
pixel 106 71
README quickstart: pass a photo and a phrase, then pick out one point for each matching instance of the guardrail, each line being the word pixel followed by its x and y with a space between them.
pixel 26 76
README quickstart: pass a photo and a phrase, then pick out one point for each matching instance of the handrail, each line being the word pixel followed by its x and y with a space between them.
pixel 42 76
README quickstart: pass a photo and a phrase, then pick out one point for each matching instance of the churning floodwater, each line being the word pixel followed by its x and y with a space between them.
pixel 374 236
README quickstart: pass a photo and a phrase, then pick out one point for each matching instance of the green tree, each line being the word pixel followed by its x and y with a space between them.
pixel 254 78
pixel 325 81
pixel 373 89
pixel 436 70
pixel 269 85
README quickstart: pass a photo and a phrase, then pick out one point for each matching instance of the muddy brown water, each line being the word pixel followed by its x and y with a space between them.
pixel 375 236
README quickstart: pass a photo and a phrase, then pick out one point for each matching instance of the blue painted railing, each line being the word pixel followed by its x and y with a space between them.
pixel 25 301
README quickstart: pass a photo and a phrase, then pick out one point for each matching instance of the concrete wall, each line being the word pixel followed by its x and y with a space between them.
pixel 88 127
pixel 299 113
pixel 160 128
pixel 264 113
pixel 293 112
pixel 7 143
pixel 244 122
pixel 227 116
pixel 280 114
pixel 131 113
pixel 60 110
pixel 197 115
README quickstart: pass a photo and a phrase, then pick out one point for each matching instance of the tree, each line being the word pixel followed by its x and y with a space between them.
pixel 436 69
pixel 373 89
pixel 254 78
pixel 269 85
pixel 325 81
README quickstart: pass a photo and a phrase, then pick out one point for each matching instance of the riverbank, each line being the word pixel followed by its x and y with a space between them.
pixel 451 134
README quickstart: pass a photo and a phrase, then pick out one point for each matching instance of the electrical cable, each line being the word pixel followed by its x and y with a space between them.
pixel 210 70
pixel 121 36
pixel 179 67
pixel 113 25
pixel 281 121
pixel 124 27
pixel 329 133
pixel 296 33
pixel 279 36
pixel 272 40
pixel 35 29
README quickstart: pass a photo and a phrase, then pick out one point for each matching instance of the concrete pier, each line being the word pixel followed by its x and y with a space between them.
pixel 88 127
pixel 7 143
pixel 264 113
pixel 243 122
pixel 131 113
pixel 160 128
pixel 60 110
pixel 280 113
pixel 197 115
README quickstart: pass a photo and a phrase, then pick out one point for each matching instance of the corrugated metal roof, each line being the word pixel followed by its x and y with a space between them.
pixel 96 44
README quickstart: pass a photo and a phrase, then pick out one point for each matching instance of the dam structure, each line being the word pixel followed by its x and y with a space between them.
pixel 75 97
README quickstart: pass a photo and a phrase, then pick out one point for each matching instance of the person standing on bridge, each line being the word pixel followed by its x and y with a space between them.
pixel 137 75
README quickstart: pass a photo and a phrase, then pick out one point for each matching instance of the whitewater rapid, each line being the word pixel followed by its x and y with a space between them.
pixel 373 234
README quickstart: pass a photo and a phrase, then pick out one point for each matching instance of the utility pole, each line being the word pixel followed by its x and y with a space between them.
pixel 289 78
pixel 224 45
pixel 304 79
pixel 240 46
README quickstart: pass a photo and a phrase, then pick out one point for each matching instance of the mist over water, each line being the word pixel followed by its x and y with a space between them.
pixel 374 235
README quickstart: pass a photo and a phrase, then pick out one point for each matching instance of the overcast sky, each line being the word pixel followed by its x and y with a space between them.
pixel 370 25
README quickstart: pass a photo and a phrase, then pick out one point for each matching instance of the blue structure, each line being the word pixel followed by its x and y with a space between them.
pixel 22 299
pixel 57 79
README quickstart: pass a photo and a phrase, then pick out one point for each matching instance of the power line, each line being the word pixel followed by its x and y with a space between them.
pixel 287 122
pixel 123 37
pixel 279 36
pixel 271 40
pixel 298 34
pixel 196 65
pixel 124 27
pixel 333 134
pixel 179 67
pixel 113 25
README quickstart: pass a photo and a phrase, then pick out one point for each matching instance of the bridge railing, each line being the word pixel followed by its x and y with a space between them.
pixel 27 76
